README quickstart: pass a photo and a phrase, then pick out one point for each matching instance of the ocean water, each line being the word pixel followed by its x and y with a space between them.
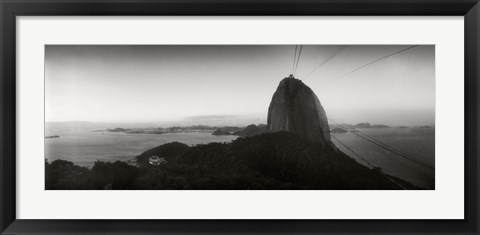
pixel 85 146
pixel 416 143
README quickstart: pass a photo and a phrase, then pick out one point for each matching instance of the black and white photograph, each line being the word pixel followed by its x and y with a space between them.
pixel 239 117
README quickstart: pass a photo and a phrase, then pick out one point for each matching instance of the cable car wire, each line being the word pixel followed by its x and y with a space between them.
pixel 370 63
pixel 368 163
pixel 385 146
pixel 298 60
pixel 337 52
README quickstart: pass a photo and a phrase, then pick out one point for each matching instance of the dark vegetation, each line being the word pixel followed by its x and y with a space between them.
pixel 268 161
pixel 252 130
pixel 170 151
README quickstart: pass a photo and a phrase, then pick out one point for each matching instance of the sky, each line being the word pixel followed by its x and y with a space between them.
pixel 234 84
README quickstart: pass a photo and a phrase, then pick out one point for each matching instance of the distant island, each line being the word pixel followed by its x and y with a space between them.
pixel 368 125
pixel 338 130
pixel 245 131
pixel 249 130
pixel 52 136
pixel 161 130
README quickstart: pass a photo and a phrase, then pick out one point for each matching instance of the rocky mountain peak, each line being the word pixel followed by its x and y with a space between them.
pixel 295 108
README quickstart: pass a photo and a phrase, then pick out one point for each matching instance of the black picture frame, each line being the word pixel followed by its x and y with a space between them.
pixel 470 9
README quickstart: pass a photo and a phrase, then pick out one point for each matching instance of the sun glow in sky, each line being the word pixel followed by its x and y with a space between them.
pixel 235 83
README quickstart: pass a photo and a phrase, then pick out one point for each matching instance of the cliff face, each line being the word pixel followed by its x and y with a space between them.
pixel 295 108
